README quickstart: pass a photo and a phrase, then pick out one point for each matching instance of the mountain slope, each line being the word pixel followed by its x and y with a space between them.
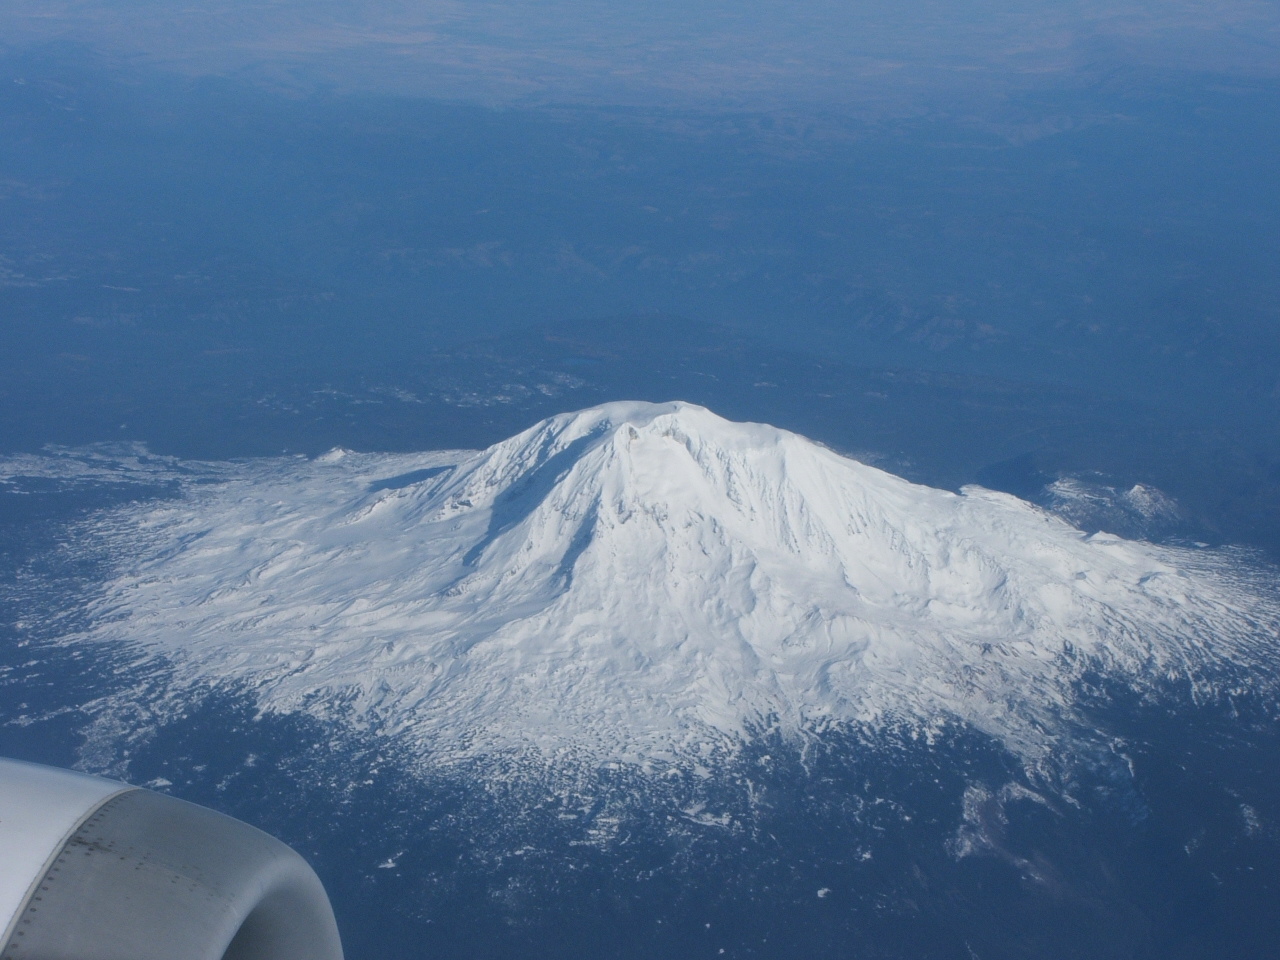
pixel 646 583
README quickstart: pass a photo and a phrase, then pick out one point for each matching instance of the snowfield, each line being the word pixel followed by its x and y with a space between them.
pixel 650 584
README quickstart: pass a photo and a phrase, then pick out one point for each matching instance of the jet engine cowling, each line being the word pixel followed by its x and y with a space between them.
pixel 92 869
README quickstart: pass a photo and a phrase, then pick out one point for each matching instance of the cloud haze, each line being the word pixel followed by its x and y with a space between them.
pixel 760 54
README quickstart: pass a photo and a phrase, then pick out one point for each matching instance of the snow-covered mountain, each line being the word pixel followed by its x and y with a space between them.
pixel 651 584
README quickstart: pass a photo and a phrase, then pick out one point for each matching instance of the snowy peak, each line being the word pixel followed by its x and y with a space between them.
pixel 625 455
pixel 635 492
pixel 645 580
pixel 676 470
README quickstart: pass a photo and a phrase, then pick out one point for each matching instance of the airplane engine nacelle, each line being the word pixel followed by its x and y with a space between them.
pixel 91 869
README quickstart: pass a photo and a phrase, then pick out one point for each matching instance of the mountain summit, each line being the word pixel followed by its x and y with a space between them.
pixel 648 582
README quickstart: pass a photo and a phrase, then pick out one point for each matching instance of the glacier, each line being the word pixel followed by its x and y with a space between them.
pixel 649 585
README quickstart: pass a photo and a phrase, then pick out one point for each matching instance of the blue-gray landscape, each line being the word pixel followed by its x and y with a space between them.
pixel 318 503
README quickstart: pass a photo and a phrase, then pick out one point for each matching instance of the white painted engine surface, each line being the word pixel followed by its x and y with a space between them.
pixel 96 870
pixel 40 807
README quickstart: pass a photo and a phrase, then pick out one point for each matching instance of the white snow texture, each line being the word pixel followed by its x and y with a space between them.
pixel 651 584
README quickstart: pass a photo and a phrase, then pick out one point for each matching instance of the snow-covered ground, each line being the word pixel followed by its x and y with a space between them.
pixel 650 584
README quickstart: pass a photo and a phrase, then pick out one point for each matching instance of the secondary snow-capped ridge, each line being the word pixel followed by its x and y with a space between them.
pixel 642 583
